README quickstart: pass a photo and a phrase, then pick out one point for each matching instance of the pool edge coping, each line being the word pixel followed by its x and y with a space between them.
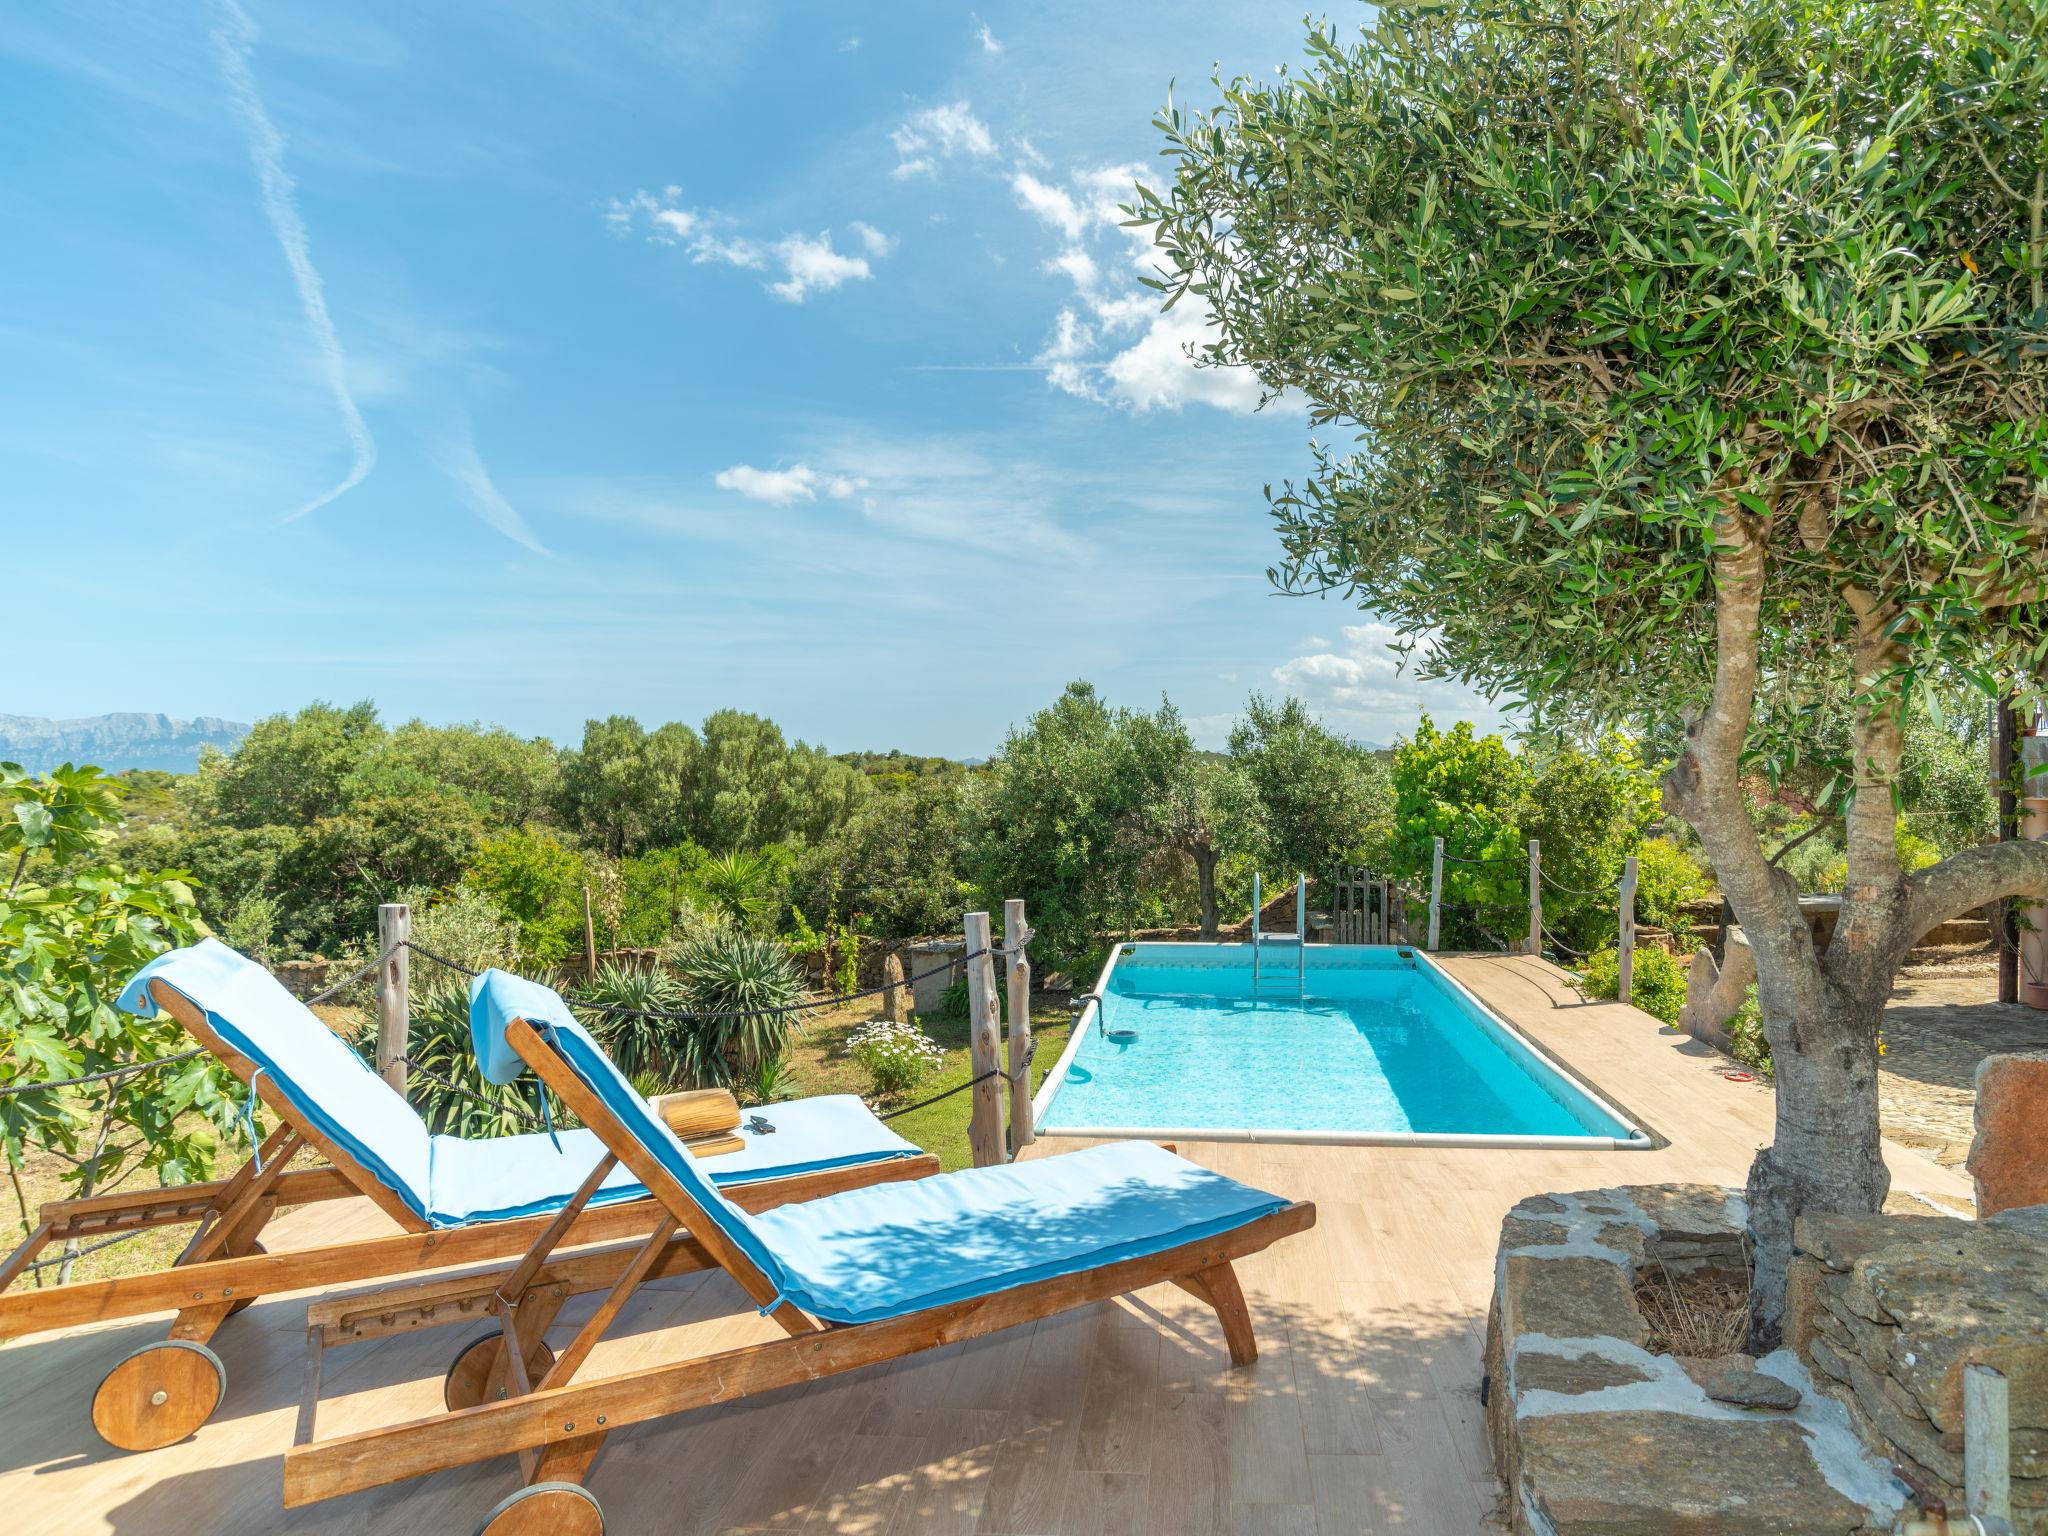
pixel 1641 1139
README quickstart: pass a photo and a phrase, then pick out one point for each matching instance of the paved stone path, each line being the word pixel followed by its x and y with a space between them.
pixel 1941 1021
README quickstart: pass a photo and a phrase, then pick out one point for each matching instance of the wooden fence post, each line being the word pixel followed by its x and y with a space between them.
pixel 1535 897
pixel 1627 948
pixel 394 992
pixel 1987 1443
pixel 985 1123
pixel 1436 895
pixel 589 939
pixel 1015 936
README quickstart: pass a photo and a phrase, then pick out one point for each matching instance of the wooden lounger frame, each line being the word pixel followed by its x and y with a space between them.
pixel 557 1425
pixel 224 1267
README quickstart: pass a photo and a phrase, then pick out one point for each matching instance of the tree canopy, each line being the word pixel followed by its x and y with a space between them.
pixel 1693 353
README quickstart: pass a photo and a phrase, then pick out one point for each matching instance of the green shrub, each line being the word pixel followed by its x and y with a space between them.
pixel 953 1003
pixel 537 881
pixel 1667 877
pixel 1915 852
pixel 440 1042
pixel 640 1045
pixel 1746 1034
pixel 896 1057
pixel 725 971
pixel 1658 985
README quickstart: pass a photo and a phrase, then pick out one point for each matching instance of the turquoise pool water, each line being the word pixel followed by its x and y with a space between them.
pixel 1372 1043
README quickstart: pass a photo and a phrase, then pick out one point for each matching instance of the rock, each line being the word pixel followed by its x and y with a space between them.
pixel 2009 1157
pixel 1838 1241
pixel 1568 1298
pixel 1802 1303
pixel 1831 1360
pixel 1978 1295
pixel 1735 1379
pixel 1904 1401
pixel 1916 1437
pixel 896 1002
pixel 1544 1372
pixel 1671 1474
pixel 1714 991
pixel 1684 1215
pixel 302 978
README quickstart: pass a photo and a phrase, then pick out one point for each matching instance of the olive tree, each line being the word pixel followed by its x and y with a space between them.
pixel 1692 356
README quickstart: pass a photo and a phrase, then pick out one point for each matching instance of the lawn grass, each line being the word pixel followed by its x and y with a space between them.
pixel 819 1064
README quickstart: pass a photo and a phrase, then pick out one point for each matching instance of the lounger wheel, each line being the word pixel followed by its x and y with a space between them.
pixel 545 1509
pixel 470 1371
pixel 158 1395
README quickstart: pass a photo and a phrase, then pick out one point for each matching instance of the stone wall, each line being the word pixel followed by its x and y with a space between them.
pixel 1594 1433
pixel 1889 1309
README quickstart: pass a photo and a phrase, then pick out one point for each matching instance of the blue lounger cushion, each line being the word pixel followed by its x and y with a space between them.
pixel 451 1181
pixel 893 1249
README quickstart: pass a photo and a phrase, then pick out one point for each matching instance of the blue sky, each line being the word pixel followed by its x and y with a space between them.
pixel 530 362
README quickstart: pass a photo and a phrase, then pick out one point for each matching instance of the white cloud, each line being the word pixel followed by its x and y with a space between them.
pixel 1050 204
pixel 808 263
pixel 917 488
pixel 932 134
pixel 781 487
pixel 233 41
pixel 1157 372
pixel 812 266
pixel 1359 686
pixel 1114 344
pixel 850 45
pixel 460 462
pixel 876 243
pixel 989 42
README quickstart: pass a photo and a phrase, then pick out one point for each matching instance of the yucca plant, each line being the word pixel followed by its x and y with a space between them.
pixel 439 1041
pixel 739 885
pixel 640 1045
pixel 725 971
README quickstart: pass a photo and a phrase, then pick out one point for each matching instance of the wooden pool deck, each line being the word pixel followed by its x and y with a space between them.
pixel 1361 1415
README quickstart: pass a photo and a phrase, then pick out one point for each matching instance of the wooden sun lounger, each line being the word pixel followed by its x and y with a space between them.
pixel 557 1425
pixel 163 1391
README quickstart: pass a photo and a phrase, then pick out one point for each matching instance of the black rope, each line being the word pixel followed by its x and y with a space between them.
pixel 746 1013
pixel 1559 885
pixel 1576 954
pixel 469 1093
pixel 1451 858
pixel 105 1242
pixel 428 954
pixel 133 1067
pixel 1022 1074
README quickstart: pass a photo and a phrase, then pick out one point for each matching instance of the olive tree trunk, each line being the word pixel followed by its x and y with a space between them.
pixel 1822 1012
pixel 1205 876
pixel 1825 1152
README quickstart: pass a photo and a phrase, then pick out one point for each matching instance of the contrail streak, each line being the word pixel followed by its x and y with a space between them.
pixel 232 41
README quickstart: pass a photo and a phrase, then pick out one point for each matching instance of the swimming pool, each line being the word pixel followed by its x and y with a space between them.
pixel 1369 1043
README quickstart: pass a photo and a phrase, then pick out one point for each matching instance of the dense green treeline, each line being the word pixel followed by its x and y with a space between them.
pixel 1103 818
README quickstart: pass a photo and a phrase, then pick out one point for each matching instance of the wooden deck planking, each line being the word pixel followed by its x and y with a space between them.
pixel 1361 1414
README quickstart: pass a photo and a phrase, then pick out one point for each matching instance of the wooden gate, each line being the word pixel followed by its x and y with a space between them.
pixel 1366 908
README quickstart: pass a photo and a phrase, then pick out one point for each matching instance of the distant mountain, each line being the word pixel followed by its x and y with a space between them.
pixel 114 742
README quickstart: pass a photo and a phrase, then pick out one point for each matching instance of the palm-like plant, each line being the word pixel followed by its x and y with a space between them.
pixel 738 885
pixel 726 972
pixel 638 1043
pixel 440 1042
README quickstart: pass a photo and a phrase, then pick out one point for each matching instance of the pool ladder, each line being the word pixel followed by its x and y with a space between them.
pixel 1299 938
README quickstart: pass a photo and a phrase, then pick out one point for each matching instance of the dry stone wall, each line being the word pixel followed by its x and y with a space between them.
pixel 1889 1309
